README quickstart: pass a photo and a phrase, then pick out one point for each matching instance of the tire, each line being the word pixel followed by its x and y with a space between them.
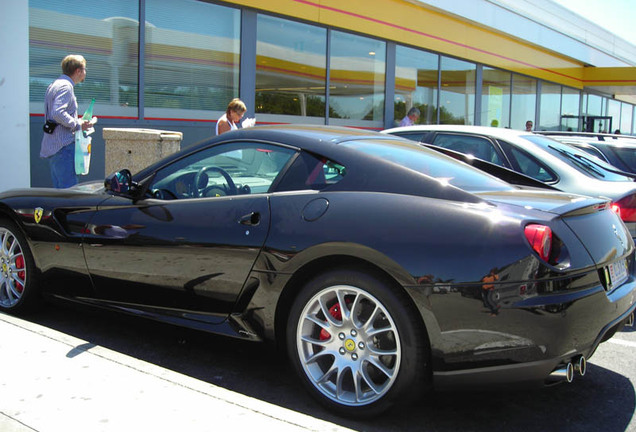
pixel 360 359
pixel 18 275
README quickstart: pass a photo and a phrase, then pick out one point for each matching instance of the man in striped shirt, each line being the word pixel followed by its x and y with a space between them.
pixel 60 107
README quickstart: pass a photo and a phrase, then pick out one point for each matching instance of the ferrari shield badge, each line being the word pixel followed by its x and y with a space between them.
pixel 37 214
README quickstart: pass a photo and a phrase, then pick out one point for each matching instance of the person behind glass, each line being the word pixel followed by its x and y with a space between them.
pixel 60 114
pixel 233 115
pixel 411 117
pixel 529 125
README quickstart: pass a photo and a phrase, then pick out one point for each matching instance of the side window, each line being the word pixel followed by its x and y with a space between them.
pixel 531 167
pixel 414 136
pixel 478 147
pixel 311 172
pixel 229 169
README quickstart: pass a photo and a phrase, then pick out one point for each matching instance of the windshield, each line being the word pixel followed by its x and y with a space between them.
pixel 431 163
pixel 582 161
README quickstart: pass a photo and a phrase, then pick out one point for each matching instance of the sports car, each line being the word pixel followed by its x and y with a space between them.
pixel 382 268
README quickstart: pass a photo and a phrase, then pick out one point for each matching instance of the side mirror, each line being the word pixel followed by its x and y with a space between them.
pixel 119 183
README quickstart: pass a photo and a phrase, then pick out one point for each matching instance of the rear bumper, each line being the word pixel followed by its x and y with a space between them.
pixel 530 374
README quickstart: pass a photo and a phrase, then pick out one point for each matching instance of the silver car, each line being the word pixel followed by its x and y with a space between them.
pixel 617 150
pixel 562 166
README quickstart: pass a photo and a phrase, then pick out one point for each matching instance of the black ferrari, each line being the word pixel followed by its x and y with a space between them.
pixel 383 268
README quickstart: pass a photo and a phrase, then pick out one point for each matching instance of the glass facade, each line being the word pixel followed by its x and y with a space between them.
pixel 594 106
pixel 189 69
pixel 106 35
pixel 495 98
pixel 191 66
pixel 356 80
pixel 627 111
pixel 291 71
pixel 570 108
pixel 416 82
pixel 457 94
pixel 524 101
pixel 613 111
pixel 550 107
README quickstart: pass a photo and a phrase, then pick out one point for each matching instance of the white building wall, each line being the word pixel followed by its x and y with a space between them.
pixel 14 94
pixel 546 24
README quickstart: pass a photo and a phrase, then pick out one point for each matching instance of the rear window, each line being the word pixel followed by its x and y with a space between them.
pixel 431 163
pixel 413 136
pixel 582 161
pixel 627 155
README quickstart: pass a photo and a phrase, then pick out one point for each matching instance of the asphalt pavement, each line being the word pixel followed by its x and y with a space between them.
pixel 78 369
pixel 51 381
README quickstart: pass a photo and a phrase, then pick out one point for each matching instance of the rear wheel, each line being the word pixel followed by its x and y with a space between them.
pixel 17 271
pixel 356 343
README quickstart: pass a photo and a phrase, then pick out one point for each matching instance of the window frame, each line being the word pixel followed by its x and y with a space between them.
pixel 186 166
pixel 495 150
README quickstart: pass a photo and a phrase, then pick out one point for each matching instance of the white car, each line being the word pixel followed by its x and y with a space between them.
pixel 562 166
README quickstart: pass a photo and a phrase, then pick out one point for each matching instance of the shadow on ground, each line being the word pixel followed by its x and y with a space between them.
pixel 602 400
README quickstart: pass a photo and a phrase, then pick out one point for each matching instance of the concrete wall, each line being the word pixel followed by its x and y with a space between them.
pixel 193 132
pixel 14 95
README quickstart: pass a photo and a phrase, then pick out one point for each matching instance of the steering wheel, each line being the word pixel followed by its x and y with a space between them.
pixel 163 194
pixel 231 187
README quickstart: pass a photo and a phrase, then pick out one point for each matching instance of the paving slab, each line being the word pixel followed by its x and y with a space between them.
pixel 50 382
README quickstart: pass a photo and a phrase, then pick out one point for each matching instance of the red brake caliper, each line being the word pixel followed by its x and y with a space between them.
pixel 19 263
pixel 337 314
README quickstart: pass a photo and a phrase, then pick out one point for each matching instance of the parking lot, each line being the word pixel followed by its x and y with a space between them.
pixel 158 377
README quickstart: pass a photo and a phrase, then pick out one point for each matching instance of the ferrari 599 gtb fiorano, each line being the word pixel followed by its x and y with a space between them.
pixel 383 268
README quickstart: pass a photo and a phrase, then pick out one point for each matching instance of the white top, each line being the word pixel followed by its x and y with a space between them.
pixel 224 117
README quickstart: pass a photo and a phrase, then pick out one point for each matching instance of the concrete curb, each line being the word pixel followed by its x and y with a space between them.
pixel 50 381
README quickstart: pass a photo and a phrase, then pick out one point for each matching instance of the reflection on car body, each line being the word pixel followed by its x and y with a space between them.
pixel 362 255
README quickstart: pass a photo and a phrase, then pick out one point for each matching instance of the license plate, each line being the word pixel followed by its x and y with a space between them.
pixel 617 273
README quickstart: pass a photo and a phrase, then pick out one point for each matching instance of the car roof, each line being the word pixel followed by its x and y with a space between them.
pixel 324 141
pixel 600 140
pixel 324 133
pixel 484 130
pixel 594 135
pixel 577 181
pixel 313 138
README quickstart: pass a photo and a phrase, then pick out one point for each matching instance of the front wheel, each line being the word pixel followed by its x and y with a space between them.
pixel 17 271
pixel 356 343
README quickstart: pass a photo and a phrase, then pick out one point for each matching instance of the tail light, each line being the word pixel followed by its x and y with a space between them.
pixel 540 239
pixel 626 208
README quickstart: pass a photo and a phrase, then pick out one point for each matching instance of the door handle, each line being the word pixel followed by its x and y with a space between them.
pixel 253 218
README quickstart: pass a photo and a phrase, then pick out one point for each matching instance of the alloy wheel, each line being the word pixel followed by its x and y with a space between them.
pixel 348 345
pixel 13 273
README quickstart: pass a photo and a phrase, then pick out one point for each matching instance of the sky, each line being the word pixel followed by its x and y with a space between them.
pixel 617 16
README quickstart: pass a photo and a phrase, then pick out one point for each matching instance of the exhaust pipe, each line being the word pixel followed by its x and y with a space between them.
pixel 562 373
pixel 630 320
pixel 580 365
